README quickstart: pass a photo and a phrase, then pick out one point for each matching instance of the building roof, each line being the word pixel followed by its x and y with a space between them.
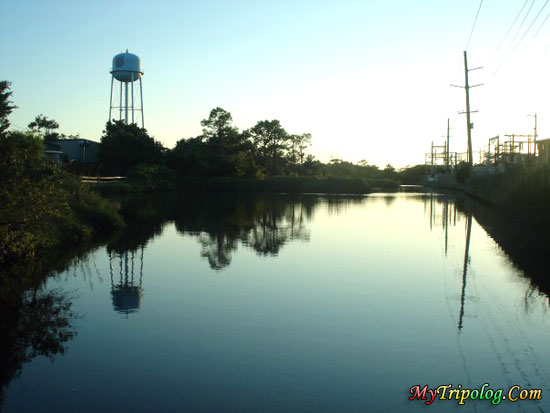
pixel 79 150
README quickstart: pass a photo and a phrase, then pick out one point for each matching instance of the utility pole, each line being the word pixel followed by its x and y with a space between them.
pixel 467 87
pixel 496 146
pixel 535 137
pixel 511 146
pixel 432 158
pixel 447 148
pixel 468 122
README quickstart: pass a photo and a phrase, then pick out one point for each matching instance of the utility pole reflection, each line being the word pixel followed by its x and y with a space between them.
pixel 465 270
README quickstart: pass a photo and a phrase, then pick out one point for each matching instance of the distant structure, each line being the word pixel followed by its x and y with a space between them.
pixel 79 150
pixel 126 70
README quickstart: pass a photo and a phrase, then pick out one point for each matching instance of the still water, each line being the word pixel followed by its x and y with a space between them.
pixel 283 303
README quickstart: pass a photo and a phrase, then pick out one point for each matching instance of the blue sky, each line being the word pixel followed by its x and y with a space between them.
pixel 369 79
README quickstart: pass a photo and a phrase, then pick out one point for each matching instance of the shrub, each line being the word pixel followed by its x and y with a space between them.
pixel 152 176
pixel 41 205
pixel 463 171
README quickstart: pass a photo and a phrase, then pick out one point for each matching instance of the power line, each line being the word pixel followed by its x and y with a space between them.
pixel 470 37
pixel 524 34
pixel 536 34
pixel 474 25
pixel 510 28
pixel 522 23
pixel 531 25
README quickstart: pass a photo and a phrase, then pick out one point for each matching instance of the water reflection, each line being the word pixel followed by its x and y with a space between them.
pixel 127 291
pixel 443 213
pixel 491 316
pixel 221 223
pixel 520 246
pixel 522 240
pixel 264 224
pixel 465 270
pixel 36 322
pixel 353 306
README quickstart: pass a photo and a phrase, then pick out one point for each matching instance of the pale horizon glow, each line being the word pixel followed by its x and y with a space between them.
pixel 368 79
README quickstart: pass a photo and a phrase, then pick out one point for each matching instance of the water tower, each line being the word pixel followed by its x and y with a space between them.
pixel 126 71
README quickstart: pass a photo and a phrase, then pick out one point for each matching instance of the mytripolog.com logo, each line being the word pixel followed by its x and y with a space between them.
pixel 460 395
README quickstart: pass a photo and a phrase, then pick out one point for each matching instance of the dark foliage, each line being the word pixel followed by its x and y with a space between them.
pixel 6 106
pixel 265 151
pixel 41 205
pixel 124 146
pixel 220 151
pixel 463 172
pixel 33 323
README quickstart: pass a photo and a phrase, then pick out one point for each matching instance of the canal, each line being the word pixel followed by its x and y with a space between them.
pixel 281 303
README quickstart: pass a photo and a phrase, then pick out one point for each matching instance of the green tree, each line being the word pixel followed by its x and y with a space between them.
pixel 42 124
pixel 312 167
pixel 6 106
pixel 41 205
pixel 124 146
pixel 224 142
pixel 270 140
pixel 218 125
pixel 220 151
pixel 29 202
pixel 189 157
pixel 412 175
pixel 297 147
pixel 390 172
pixel 46 128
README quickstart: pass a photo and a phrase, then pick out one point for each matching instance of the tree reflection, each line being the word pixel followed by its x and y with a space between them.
pixel 276 225
pixel 221 222
pixel 264 224
pixel 35 323
pixel 217 248
pixel 145 218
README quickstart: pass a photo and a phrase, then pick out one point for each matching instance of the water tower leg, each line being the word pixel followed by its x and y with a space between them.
pixel 132 98
pixel 141 101
pixel 120 106
pixel 141 267
pixel 126 102
pixel 111 98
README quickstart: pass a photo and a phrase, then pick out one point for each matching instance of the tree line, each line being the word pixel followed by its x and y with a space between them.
pixel 265 150
pixel 262 152
pixel 221 150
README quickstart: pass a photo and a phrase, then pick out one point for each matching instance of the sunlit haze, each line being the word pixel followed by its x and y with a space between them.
pixel 368 79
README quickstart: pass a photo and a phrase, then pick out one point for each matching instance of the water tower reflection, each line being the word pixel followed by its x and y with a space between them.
pixel 126 285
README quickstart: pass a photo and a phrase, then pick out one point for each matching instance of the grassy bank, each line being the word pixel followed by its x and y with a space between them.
pixel 274 184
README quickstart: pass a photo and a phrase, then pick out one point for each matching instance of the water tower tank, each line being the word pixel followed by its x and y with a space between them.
pixel 126 67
